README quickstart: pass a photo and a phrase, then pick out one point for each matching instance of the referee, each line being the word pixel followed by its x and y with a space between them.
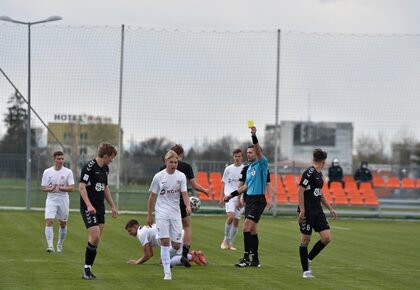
pixel 256 178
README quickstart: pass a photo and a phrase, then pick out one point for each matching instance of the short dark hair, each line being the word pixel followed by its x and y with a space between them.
pixel 236 151
pixel 131 223
pixel 106 148
pixel 58 153
pixel 178 149
pixel 319 155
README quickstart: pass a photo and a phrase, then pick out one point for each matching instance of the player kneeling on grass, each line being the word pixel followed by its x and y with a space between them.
pixel 168 185
pixel 148 237
pixel 310 211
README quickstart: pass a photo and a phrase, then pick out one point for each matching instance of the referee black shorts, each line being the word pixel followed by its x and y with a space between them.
pixel 314 220
pixel 254 207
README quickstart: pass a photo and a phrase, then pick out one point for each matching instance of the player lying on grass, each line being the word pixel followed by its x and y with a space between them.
pixel 148 238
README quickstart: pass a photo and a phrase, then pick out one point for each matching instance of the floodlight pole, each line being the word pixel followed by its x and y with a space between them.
pixel 28 123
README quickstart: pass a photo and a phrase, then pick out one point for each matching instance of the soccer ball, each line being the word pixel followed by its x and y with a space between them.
pixel 195 203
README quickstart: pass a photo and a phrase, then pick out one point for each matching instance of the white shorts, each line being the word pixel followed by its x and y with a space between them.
pixel 57 207
pixel 170 228
pixel 231 207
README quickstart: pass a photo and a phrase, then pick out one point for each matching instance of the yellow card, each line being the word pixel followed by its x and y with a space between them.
pixel 251 124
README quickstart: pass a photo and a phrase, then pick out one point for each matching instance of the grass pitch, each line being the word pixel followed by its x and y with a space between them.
pixel 364 254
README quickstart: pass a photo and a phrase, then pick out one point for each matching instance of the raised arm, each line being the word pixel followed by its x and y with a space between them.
pixel 257 147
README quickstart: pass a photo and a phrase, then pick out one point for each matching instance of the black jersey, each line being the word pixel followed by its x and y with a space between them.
pixel 312 181
pixel 95 178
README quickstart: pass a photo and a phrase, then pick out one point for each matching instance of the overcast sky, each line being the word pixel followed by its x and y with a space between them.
pixel 338 16
pixel 387 71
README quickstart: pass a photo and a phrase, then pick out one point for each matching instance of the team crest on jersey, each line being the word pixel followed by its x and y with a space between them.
pixel 252 172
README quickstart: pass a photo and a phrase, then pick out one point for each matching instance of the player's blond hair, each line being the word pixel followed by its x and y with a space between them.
pixel 171 154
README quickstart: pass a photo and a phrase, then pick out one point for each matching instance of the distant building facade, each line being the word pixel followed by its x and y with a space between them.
pixel 297 139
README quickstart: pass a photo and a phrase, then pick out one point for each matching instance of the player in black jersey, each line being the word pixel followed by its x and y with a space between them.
pixel 94 190
pixel 310 211
pixel 185 168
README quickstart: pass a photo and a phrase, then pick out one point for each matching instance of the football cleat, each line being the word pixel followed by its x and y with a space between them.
pixel 224 245
pixel 307 275
pixel 50 250
pixel 201 258
pixel 194 257
pixel 88 275
pixel 168 276
pixel 255 264
pixel 243 263
pixel 185 262
pixel 231 247
pixel 60 248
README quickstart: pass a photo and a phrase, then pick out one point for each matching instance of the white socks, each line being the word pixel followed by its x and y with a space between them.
pixel 62 234
pixel 49 234
pixel 233 232
pixel 227 232
pixel 172 252
pixel 166 260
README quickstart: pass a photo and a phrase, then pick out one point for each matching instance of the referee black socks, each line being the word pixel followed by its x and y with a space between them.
pixel 247 245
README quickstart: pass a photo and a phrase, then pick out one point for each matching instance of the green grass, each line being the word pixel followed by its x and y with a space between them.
pixel 364 254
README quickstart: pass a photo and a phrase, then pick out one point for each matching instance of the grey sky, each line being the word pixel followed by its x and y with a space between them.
pixel 338 16
pixel 365 90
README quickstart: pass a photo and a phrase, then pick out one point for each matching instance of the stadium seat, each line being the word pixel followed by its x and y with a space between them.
pixel 293 198
pixel 341 200
pixel 418 183
pixel 407 183
pixel 325 188
pixel 336 184
pixel 350 185
pixel 353 192
pixel 372 201
pixel 327 195
pixel 356 199
pixel 378 181
pixel 281 198
pixel 365 186
pixel 288 179
pixel 348 178
pixel 203 181
pixel 216 185
pixel 393 182
pixel 280 188
pixel 291 188
pixel 337 192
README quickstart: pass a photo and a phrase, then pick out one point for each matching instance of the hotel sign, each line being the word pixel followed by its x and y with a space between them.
pixel 82 119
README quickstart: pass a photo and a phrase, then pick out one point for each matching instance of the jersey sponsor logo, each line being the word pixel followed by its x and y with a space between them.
pixel 162 192
pixel 305 182
pixel 99 186
pixel 86 177
pixel 97 172
pixel 317 192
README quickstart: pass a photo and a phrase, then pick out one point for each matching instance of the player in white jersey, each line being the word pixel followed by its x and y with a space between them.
pixel 58 181
pixel 148 238
pixel 168 184
pixel 230 180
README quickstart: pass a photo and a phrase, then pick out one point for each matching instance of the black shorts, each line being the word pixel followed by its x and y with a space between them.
pixel 183 208
pixel 92 219
pixel 254 207
pixel 317 221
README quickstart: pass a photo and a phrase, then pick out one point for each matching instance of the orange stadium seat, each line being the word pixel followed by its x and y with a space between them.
pixel 356 199
pixel 336 184
pixel 341 200
pixel 378 181
pixel 372 200
pixel 216 185
pixel 348 178
pixel 281 198
pixel 328 196
pixel 407 183
pixel 350 185
pixel 291 188
pixel 280 187
pixel 353 192
pixel 337 192
pixel 418 183
pixel 293 198
pixel 393 182
pixel 203 181
pixel 288 179
pixel 365 186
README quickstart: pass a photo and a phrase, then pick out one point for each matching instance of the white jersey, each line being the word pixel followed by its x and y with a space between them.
pixel 62 177
pixel 231 177
pixel 148 235
pixel 168 188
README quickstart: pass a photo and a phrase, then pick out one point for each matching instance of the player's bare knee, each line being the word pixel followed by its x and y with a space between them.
pixel 326 240
pixel 63 224
pixel 304 241
pixel 49 223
